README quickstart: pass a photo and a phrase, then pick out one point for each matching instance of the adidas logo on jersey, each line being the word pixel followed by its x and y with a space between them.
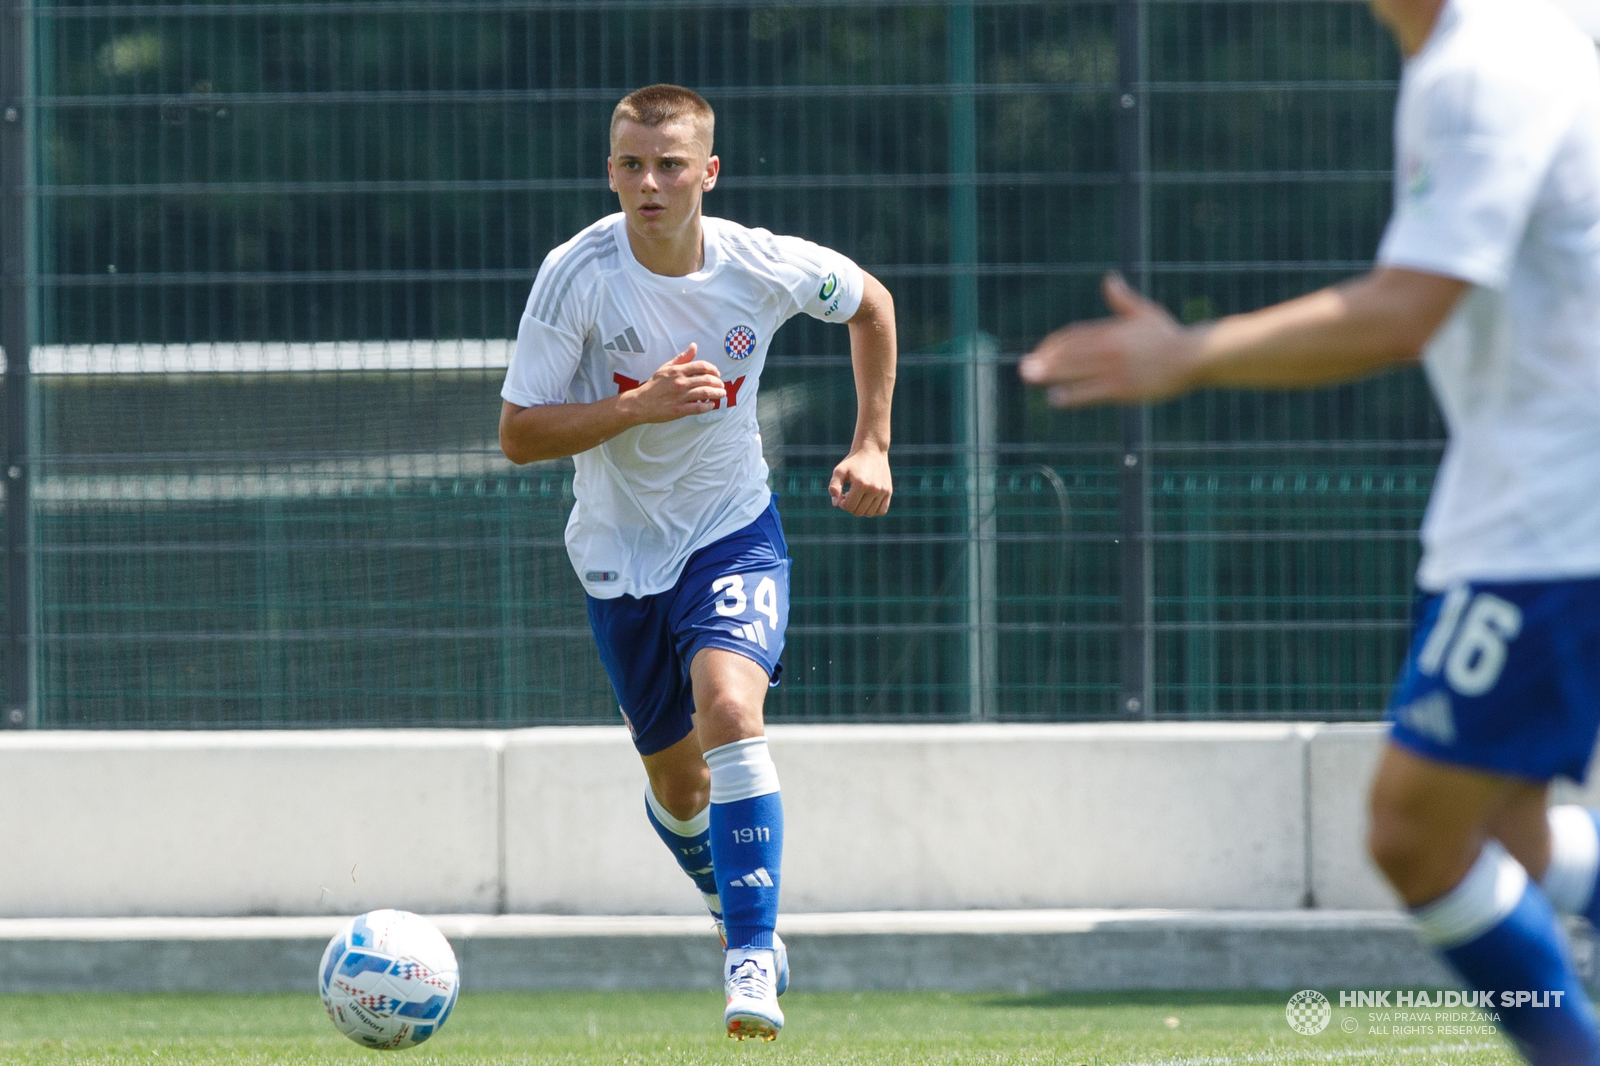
pixel 755 632
pixel 626 341
pixel 759 879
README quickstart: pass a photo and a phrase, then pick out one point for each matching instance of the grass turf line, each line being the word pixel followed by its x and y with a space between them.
pixel 575 1029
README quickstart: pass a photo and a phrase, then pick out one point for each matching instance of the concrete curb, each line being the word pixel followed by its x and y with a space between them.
pixel 1017 951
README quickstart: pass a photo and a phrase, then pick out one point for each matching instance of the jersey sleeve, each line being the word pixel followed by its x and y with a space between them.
pixel 1469 175
pixel 549 340
pixel 820 281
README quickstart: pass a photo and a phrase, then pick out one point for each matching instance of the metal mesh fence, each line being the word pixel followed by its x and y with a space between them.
pixel 274 251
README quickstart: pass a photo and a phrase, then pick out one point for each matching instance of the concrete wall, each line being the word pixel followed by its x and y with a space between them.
pixel 1240 816
pixel 117 824
pixel 1340 760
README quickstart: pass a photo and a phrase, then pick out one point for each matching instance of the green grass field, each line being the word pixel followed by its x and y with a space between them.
pixel 490 1029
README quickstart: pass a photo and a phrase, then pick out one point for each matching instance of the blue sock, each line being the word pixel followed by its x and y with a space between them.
pixel 690 844
pixel 1500 933
pixel 1569 880
pixel 746 840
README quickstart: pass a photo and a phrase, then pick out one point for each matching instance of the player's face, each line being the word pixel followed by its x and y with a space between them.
pixel 660 173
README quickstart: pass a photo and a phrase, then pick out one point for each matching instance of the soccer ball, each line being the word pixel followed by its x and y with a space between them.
pixel 388 979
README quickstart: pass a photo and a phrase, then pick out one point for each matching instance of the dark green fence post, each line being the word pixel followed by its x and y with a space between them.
pixel 1133 259
pixel 14 340
pixel 975 400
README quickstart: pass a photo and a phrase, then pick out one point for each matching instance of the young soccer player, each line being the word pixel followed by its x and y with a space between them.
pixel 1489 271
pixel 640 355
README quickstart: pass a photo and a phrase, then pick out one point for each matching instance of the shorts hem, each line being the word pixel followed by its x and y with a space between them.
pixel 647 745
pixel 738 647
pixel 1433 753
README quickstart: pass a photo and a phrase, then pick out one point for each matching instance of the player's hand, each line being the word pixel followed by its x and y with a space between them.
pixel 862 483
pixel 685 386
pixel 1141 354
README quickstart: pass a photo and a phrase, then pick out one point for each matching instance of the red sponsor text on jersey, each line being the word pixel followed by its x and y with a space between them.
pixel 627 384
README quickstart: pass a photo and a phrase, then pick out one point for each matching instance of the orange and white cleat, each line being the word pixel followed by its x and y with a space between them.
pixel 751 986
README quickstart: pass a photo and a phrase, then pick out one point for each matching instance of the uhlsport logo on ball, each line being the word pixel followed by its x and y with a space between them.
pixel 1308 1012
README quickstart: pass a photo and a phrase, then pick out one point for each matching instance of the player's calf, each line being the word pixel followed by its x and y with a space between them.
pixel 747 852
pixel 746 821
pixel 1497 929
pixel 1476 905
pixel 689 840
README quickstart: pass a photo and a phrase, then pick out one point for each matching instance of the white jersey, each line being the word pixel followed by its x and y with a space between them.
pixel 598 323
pixel 1497 183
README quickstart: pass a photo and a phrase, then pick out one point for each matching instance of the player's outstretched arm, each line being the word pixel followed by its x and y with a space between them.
pixel 684 386
pixel 862 483
pixel 1379 320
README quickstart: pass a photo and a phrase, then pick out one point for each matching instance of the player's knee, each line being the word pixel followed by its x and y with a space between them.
pixel 1396 846
pixel 731 715
pixel 685 792
pixel 1420 861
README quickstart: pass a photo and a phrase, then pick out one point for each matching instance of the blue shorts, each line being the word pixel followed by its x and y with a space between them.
pixel 732 594
pixel 1504 678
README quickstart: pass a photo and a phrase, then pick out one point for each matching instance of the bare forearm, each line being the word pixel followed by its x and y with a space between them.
pixel 872 357
pixel 555 431
pixel 1333 335
pixel 682 386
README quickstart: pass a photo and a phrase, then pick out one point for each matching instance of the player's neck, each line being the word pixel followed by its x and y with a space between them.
pixel 672 256
pixel 1411 22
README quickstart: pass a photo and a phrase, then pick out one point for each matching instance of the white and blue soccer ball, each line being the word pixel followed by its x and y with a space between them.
pixel 389 979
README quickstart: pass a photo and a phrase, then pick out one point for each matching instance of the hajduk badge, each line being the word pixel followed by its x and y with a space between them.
pixel 740 342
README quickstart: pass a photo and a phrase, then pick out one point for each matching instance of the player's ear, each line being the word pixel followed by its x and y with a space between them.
pixel 611 175
pixel 713 168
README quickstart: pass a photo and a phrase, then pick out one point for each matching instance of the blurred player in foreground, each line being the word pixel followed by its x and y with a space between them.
pixel 640 354
pixel 1489 272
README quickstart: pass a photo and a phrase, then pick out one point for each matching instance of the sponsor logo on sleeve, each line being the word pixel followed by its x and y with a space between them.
pixel 829 294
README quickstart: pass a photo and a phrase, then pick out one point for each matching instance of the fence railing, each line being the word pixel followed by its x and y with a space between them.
pixel 252 477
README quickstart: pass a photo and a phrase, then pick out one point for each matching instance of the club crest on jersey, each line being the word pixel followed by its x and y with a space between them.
pixel 740 342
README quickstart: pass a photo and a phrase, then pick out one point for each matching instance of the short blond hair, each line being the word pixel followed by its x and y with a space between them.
pixel 656 105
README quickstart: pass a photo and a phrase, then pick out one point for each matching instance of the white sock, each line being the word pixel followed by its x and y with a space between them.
pixel 692 828
pixel 1481 901
pixel 741 770
pixel 1574 860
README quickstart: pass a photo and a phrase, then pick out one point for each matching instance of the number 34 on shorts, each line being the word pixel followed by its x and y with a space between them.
pixel 758 615
pixel 1504 677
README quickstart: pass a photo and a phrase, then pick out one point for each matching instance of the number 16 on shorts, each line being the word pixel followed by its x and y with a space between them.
pixel 757 614
pixel 1505 678
pixel 1469 640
